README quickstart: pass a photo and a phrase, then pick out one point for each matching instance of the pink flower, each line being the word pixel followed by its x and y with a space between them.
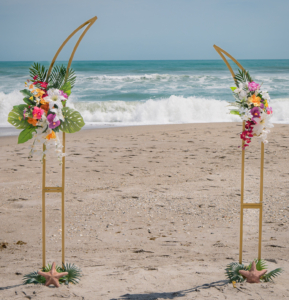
pixel 44 84
pixel 63 94
pixel 35 77
pixel 269 110
pixel 253 86
pixel 37 113
pixel 52 124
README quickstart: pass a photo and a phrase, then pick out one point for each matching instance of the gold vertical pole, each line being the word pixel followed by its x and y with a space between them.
pixel 89 23
pixel 62 206
pixel 261 200
pixel 43 210
pixel 242 198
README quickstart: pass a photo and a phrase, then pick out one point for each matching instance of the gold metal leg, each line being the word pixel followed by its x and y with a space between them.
pixel 242 199
pixel 261 199
pixel 43 211
pixel 63 202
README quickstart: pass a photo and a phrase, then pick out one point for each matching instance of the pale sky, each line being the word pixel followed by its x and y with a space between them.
pixel 33 30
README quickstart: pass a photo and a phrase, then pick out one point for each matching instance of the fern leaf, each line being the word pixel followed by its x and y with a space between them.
pixel 269 276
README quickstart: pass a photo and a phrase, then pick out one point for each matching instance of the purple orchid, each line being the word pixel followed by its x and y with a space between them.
pixel 255 112
pixel 52 124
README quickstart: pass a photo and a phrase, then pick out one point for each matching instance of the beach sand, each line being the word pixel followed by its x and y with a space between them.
pixel 152 212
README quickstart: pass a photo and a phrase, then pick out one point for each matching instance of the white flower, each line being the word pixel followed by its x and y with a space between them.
pixel 54 97
pixel 265 95
pixel 245 114
pixel 242 95
pixel 262 123
pixel 58 114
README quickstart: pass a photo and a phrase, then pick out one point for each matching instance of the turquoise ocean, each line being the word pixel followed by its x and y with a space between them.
pixel 124 93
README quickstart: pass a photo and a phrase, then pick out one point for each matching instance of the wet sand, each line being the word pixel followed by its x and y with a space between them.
pixel 152 212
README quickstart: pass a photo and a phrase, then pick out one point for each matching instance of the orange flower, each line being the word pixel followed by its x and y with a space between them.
pixel 255 100
pixel 31 86
pixel 42 101
pixel 45 106
pixel 32 121
pixel 39 93
pixel 50 136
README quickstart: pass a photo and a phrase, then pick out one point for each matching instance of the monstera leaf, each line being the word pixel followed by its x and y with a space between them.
pixel 15 117
pixel 26 134
pixel 73 120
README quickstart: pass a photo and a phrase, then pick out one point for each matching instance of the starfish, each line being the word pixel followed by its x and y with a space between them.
pixel 52 277
pixel 253 276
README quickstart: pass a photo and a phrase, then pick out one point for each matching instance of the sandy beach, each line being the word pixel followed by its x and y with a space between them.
pixel 152 212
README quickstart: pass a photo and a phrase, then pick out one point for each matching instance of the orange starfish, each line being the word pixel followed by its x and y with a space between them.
pixel 253 276
pixel 52 277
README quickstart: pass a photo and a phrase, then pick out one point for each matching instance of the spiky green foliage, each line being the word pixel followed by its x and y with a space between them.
pixel 74 274
pixel 269 276
pixel 38 70
pixel 232 271
pixel 57 77
pixel 242 76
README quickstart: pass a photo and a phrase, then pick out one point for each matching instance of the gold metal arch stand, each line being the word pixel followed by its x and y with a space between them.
pixel 245 205
pixel 46 189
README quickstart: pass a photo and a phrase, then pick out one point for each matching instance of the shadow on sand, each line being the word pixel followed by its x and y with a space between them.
pixel 171 295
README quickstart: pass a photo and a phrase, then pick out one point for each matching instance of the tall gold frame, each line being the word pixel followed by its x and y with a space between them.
pixel 46 189
pixel 246 205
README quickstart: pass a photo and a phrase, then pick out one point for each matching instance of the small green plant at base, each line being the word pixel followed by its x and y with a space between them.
pixel 232 271
pixel 73 276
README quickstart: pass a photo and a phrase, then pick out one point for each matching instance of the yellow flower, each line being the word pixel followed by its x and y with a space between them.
pixel 19 118
pixel 255 100
pixel 266 103
pixel 25 83
pixel 31 98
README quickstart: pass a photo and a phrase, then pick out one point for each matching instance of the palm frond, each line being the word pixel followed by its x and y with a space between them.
pixel 57 77
pixel 232 272
pixel 38 70
pixel 269 276
pixel 242 76
pixel 74 274
pixel 34 278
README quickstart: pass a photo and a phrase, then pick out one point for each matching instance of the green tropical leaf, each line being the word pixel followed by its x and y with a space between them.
pixel 233 88
pixel 73 120
pixel 26 92
pixel 232 272
pixel 74 274
pixel 66 88
pixel 38 70
pixel 15 117
pixel 242 76
pixel 269 276
pixel 235 112
pixel 57 77
pixel 28 101
pixel 26 134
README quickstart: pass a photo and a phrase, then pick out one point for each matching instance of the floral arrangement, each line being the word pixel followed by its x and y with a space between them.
pixel 253 107
pixel 44 113
pixel 233 275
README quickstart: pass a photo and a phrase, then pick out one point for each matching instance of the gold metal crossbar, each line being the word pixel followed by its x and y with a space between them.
pixel 45 189
pixel 246 205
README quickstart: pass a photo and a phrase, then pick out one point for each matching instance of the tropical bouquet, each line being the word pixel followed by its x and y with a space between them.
pixel 44 113
pixel 253 107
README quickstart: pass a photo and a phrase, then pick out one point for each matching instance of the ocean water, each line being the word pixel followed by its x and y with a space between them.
pixel 121 93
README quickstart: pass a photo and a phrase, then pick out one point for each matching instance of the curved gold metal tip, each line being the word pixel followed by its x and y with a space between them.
pixel 221 51
pixel 90 22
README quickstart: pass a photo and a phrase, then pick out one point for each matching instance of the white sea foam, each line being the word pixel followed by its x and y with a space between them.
pixel 172 110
